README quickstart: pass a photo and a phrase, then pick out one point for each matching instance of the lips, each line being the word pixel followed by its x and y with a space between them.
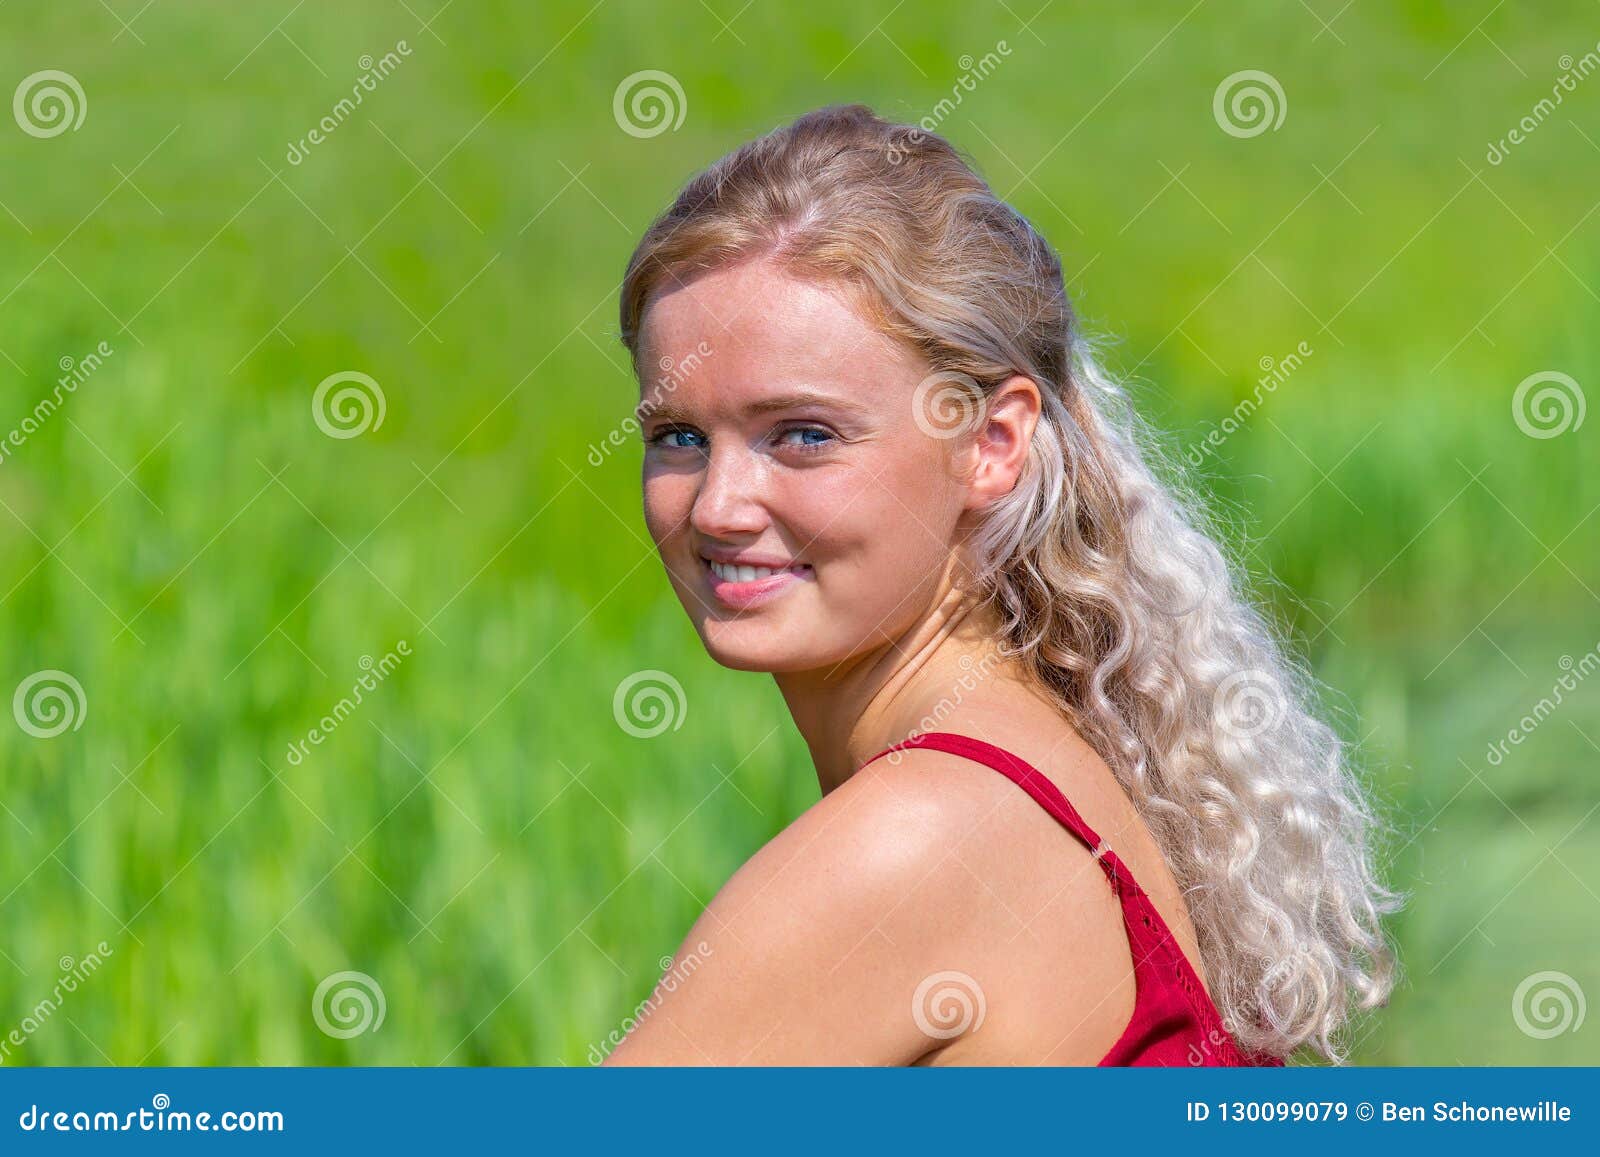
pixel 745 582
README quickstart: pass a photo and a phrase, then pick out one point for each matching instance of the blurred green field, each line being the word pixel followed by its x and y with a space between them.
pixel 480 836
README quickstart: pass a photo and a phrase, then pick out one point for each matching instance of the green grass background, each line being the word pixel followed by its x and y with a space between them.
pixel 481 837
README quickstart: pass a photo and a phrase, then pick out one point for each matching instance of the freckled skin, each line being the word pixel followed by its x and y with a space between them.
pixel 872 509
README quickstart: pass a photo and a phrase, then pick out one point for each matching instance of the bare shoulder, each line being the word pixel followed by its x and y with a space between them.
pixel 905 811
pixel 815 950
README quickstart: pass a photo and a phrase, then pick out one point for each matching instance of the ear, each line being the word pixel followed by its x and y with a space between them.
pixel 1000 444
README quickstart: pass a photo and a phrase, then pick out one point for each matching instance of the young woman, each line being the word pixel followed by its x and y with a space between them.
pixel 886 468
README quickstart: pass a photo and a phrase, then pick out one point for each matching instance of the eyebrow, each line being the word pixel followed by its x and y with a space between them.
pixel 802 398
pixel 790 401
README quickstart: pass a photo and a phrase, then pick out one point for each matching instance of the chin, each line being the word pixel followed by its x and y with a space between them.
pixel 749 646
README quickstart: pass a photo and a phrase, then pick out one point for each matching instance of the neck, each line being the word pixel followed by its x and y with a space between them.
pixel 849 712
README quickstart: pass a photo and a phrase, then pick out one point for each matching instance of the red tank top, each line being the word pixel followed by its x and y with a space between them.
pixel 1174 1020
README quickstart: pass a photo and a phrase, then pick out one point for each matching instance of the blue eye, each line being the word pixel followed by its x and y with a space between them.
pixel 810 437
pixel 670 439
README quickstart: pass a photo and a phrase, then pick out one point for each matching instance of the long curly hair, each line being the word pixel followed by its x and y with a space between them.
pixel 1103 562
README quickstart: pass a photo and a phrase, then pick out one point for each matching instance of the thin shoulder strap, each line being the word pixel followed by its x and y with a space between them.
pixel 1159 961
pixel 1021 773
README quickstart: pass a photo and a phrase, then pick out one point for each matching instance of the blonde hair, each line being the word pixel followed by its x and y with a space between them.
pixel 1110 588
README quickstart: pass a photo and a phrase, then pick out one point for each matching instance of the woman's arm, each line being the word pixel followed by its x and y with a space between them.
pixel 812 953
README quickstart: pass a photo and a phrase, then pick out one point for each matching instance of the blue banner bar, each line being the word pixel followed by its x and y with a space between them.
pixel 752 1111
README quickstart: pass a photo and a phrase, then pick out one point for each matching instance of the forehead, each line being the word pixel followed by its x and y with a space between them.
pixel 765 328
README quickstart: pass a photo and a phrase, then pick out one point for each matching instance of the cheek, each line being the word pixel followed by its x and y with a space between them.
pixel 666 504
pixel 883 531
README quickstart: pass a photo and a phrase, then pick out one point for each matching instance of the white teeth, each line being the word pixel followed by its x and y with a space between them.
pixel 744 574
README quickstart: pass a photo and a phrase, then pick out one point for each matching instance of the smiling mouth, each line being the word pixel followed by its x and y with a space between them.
pixel 730 573
pixel 745 586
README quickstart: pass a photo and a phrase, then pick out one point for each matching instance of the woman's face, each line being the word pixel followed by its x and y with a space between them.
pixel 802 513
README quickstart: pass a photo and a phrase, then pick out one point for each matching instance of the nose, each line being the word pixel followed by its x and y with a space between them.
pixel 730 500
